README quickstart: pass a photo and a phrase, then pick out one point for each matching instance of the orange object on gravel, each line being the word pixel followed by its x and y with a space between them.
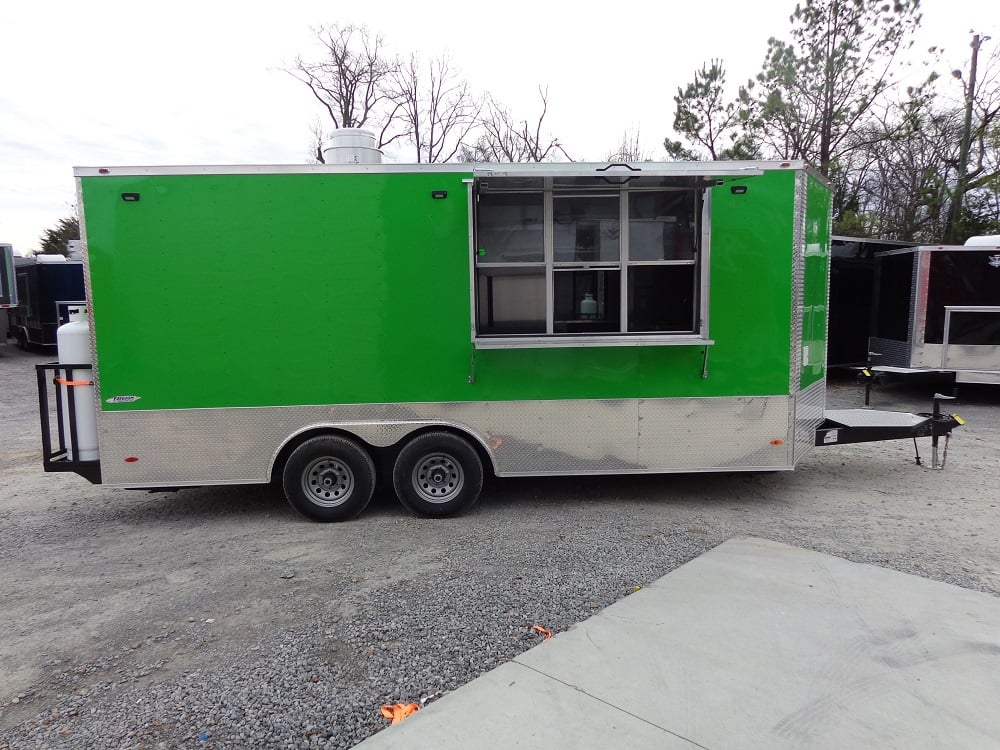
pixel 399 711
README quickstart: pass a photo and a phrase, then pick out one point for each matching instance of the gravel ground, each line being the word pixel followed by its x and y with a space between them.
pixel 219 618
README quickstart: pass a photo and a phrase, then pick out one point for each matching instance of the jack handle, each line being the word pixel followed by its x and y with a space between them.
pixel 941 424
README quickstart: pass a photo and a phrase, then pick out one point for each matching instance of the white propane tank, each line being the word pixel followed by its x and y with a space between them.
pixel 73 344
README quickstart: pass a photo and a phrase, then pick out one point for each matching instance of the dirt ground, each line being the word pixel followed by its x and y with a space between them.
pixel 99 587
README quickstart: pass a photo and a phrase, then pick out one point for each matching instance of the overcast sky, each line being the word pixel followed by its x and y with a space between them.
pixel 138 83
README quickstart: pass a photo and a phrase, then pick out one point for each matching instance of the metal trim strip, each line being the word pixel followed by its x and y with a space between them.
pixel 541 169
pixel 918 305
pixel 563 341
pixel 89 293
pixel 798 281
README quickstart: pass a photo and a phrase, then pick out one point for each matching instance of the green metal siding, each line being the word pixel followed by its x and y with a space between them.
pixel 254 290
pixel 750 281
pixel 751 286
pixel 287 289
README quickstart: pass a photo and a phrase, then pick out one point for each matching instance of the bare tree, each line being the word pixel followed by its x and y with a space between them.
pixel 506 139
pixel 629 150
pixel 352 81
pixel 904 193
pixel 425 102
pixel 317 139
pixel 436 105
pixel 981 111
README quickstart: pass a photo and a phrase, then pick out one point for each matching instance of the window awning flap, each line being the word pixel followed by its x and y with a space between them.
pixel 643 174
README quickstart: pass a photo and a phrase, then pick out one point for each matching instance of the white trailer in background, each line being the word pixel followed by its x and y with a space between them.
pixel 937 310
pixel 984 240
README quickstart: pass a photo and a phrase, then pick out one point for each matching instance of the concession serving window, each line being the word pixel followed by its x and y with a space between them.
pixel 590 257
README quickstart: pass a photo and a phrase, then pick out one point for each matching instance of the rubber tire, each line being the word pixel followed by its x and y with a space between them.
pixel 343 450
pixel 460 451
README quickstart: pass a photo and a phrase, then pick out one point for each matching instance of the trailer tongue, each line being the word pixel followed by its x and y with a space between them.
pixel 868 425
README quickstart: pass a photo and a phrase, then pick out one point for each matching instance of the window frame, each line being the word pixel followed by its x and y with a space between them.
pixel 622 191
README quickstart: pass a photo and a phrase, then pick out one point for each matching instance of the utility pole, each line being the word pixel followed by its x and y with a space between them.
pixel 952 234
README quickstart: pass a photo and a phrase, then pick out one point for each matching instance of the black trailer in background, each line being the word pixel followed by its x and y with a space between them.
pixel 45 289
pixel 852 294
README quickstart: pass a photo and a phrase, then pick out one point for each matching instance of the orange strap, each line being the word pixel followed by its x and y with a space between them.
pixel 399 711
pixel 63 381
pixel 544 631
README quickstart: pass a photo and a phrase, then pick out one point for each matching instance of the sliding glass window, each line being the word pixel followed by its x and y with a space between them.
pixel 510 264
pixel 599 261
pixel 662 262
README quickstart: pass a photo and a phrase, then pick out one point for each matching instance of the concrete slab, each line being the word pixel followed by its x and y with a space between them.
pixel 753 645
pixel 514 706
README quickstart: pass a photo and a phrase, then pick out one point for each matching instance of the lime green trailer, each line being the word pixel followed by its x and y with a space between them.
pixel 298 323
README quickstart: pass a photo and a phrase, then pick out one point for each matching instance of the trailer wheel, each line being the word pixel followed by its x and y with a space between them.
pixel 438 474
pixel 329 478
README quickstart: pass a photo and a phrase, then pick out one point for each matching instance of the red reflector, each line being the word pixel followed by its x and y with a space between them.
pixel 131 459
pixel 103 170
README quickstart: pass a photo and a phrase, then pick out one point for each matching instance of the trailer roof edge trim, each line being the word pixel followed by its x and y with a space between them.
pixel 971 249
pixel 248 169
pixel 478 170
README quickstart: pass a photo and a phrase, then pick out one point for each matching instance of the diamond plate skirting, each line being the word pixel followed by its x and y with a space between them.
pixel 240 445
pixel 810 406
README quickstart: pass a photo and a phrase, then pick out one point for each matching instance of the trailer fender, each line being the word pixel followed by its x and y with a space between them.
pixel 479 442
pixel 376 436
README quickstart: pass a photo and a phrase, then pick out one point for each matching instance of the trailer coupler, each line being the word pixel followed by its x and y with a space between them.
pixel 841 426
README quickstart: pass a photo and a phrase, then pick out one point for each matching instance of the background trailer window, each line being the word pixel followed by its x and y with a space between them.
pixel 588 260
